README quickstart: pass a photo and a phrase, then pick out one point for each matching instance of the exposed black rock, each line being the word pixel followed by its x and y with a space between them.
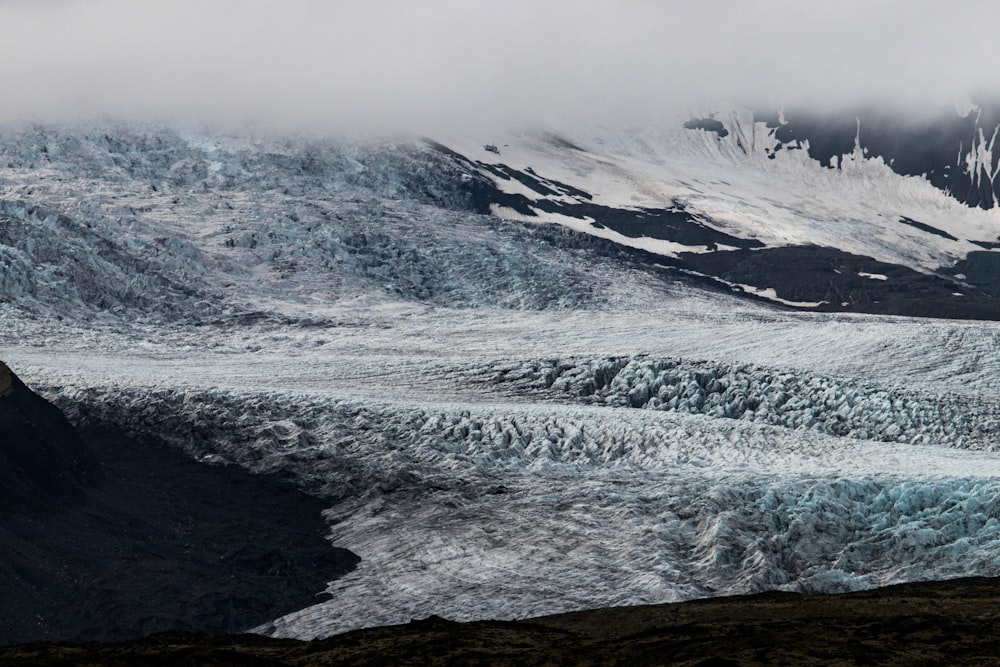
pixel 671 224
pixel 707 124
pixel 103 537
pixel 44 465
pixel 981 269
pixel 845 282
pixel 530 179
pixel 924 227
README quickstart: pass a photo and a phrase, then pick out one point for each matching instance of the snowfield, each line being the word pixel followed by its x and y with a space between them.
pixel 507 418
pixel 733 184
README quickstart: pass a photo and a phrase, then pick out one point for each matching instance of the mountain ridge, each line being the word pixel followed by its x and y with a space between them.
pixel 906 624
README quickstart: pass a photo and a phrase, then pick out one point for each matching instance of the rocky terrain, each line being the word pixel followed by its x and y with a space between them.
pixel 948 622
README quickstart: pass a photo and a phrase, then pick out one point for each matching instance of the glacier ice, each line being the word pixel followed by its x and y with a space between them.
pixel 498 507
pixel 505 418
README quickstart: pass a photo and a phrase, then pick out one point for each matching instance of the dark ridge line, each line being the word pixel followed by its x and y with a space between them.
pixel 927 228
pixel 931 622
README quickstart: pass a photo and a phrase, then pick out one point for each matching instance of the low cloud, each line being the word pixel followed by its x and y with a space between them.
pixel 398 65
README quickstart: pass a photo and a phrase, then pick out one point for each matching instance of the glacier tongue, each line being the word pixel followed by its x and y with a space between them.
pixel 561 542
pixel 500 507
pixel 509 418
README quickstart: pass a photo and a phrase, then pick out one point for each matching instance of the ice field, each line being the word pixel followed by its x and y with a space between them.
pixel 473 487
pixel 507 418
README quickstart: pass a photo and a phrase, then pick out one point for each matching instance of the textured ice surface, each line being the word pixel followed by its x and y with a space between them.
pixel 492 508
pixel 484 464
pixel 99 223
pixel 507 419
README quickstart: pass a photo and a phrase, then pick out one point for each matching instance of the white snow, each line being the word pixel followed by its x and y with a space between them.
pixel 791 199
pixel 772 295
pixel 656 246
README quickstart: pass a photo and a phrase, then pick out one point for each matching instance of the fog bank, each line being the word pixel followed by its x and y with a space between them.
pixel 400 65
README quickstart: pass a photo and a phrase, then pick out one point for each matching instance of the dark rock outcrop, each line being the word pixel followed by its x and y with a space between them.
pixel 952 151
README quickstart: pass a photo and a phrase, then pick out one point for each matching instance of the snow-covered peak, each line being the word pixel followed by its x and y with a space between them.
pixel 736 181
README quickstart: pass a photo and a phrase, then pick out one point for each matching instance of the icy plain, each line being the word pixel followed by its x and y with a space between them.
pixel 507 418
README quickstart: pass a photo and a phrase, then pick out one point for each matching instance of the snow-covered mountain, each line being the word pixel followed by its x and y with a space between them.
pixel 858 213
pixel 534 371
pixel 869 212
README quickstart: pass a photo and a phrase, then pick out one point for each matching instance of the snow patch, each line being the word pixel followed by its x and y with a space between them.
pixel 771 294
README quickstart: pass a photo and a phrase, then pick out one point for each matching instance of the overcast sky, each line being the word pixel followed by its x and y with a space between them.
pixel 420 65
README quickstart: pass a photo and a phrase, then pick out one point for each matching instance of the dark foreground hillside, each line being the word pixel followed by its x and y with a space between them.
pixel 106 538
pixel 935 623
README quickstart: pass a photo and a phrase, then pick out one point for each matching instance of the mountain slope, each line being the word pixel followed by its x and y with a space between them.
pixel 103 537
pixel 753 203
pixel 153 221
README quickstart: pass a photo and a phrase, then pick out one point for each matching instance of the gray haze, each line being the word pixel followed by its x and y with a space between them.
pixel 424 65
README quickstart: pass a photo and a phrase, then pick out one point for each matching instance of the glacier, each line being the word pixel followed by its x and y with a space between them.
pixel 506 504
pixel 509 417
